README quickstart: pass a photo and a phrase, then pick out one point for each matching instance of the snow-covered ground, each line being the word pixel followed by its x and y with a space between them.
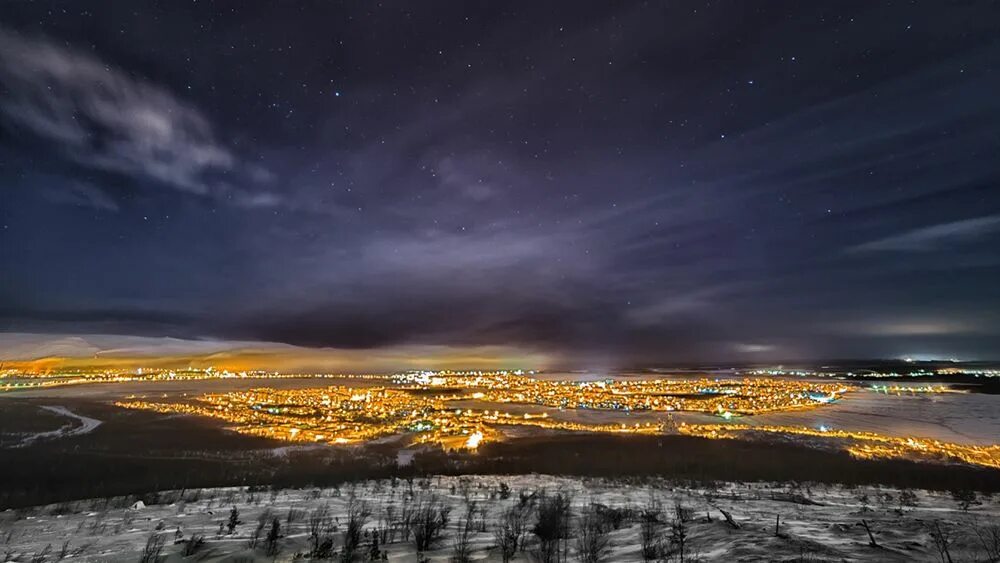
pixel 817 522
pixel 80 425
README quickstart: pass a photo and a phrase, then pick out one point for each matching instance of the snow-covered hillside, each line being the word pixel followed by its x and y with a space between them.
pixel 605 520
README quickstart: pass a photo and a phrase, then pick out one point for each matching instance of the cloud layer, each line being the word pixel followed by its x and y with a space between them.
pixel 614 184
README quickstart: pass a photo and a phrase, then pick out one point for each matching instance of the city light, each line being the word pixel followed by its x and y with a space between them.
pixel 429 411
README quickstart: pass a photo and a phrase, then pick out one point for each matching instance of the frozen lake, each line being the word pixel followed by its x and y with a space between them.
pixel 965 418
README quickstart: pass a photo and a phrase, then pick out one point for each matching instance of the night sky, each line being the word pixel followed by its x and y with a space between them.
pixel 595 183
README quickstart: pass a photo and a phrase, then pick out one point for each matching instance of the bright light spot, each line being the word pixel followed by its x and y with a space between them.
pixel 474 439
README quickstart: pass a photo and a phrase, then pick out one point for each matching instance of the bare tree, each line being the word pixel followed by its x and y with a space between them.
pixel 262 521
pixel 941 537
pixel 406 514
pixel 358 513
pixel 466 528
pixel 510 530
pixel 989 539
pixel 320 538
pixel 651 521
pixel 429 520
pixel 552 527
pixel 271 546
pixel 678 535
pixel 592 542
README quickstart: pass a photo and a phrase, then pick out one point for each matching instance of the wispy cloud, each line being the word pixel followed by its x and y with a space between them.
pixel 100 116
pixel 934 236
pixel 753 348
pixel 910 327
pixel 81 194
pixel 467 178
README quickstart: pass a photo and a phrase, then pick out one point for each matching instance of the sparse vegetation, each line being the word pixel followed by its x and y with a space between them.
pixel 428 521
pixel 193 545
pixel 234 520
pixel 463 534
pixel 592 543
pixel 988 536
pixel 538 522
pixel 551 529
pixel 358 514
pixel 153 548
pixel 271 546
pixel 941 539
pixel 650 525
pixel 320 523
pixel 966 498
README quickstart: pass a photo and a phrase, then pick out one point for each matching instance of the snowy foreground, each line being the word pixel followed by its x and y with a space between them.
pixel 608 520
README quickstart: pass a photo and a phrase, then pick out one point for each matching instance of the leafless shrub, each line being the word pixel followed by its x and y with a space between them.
pixel 651 522
pixel 42 555
pixel 428 521
pixel 466 528
pixel 506 538
pixel 320 539
pixel 481 515
pixel 941 538
pixel 271 545
pixel 965 498
pixel 551 527
pixel 234 520
pixel 682 513
pixel 989 538
pixel 374 552
pixel 592 542
pixel 612 518
pixel 294 515
pixel 151 551
pixel 465 488
pixel 864 501
pixel 358 514
pixel 83 549
pixel 193 545
pixel 406 514
pixel 679 549
pixel 262 521
pixel 386 526
pixel 193 495
pixel 510 530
